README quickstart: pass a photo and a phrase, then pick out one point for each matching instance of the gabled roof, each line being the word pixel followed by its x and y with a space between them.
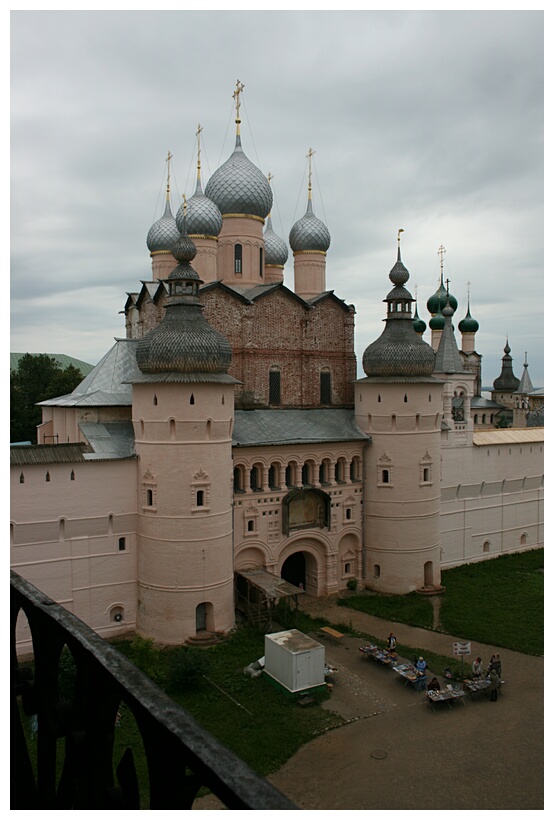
pixel 273 427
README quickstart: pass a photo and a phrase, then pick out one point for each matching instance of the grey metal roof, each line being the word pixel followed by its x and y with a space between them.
pixel 108 384
pixel 309 233
pixel 163 233
pixel 109 440
pixel 272 427
pixel 448 359
pixel 525 385
pixel 276 251
pixel 478 402
pixel 49 454
pixel 203 216
pixel 238 187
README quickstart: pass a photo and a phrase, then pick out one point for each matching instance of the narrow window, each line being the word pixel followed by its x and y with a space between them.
pixel 149 498
pixel 255 479
pixel 191 400
pixel 272 478
pixel 305 474
pixel 338 471
pixel 385 477
pixel 348 513
pixel 288 475
pixel 275 387
pixel 155 399
pixel 200 498
pixel 22 479
pixel 238 258
pixel 376 571
pixel 346 569
pixel 379 397
pixel 121 544
pixel 487 546
pixel 72 476
pixel 261 263
pixel 405 398
pixel 47 476
pixel 426 473
pixel 250 526
pixel 238 484
pixel 475 418
pixel 325 388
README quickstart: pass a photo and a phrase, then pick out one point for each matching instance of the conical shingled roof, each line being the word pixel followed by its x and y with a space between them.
pixel 525 385
pixel 506 382
pixel 239 187
pixel 399 351
pixel 164 232
pixel 448 358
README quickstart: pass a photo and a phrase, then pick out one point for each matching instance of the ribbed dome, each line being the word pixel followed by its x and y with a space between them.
pixel 309 233
pixel 399 351
pixel 437 301
pixel 238 187
pixel 276 251
pixel 164 233
pixel 184 341
pixel 203 216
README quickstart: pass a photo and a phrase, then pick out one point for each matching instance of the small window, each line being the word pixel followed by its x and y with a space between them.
pixel 385 477
pixel 379 397
pixel 261 263
pixel 275 387
pixel 22 479
pixel 238 258
pixel 250 526
pixel 487 546
pixel 238 480
pixel 348 514
pixel 191 400
pixel 347 569
pixel 405 398
pixel 121 544
pixel 149 498
pixel 200 498
pixel 306 474
pixel 376 571
pixel 426 474
pixel 47 477
pixel 72 476
pixel 255 483
pixel 155 400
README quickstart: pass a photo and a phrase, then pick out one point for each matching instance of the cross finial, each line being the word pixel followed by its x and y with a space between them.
pixel 309 156
pixel 447 287
pixel 168 160
pixel 400 230
pixel 236 94
pixel 184 205
pixel 441 251
pixel 198 132
pixel 269 177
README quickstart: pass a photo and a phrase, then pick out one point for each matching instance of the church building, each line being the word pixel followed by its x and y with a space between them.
pixel 227 432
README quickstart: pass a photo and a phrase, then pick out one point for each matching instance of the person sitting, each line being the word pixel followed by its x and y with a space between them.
pixel 434 684
pixel 421 666
pixel 477 668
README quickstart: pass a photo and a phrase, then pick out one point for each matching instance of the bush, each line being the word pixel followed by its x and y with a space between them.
pixel 352 584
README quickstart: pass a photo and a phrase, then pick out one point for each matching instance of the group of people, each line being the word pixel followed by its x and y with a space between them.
pixel 494 672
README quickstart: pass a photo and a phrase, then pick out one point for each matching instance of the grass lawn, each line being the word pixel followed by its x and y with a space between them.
pixel 500 602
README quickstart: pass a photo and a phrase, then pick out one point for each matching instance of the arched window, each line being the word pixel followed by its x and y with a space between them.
pixel 275 387
pixel 405 398
pixel 306 474
pixel 376 571
pixel 155 399
pixel 238 258
pixel 47 477
pixel 255 481
pixel 475 419
pixel 121 544
pixel 272 474
pixel 238 480
pixel 290 474
pixel 487 546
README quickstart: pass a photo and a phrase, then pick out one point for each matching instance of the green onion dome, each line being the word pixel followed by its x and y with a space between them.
pixel 418 323
pixel 437 301
pixel 468 324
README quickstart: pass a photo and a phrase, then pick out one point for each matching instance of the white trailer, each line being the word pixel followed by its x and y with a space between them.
pixel 294 661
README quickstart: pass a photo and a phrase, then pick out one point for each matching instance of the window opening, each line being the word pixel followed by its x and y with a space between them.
pixel 325 388
pixel 238 258
pixel 275 387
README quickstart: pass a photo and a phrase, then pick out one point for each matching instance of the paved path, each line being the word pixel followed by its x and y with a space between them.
pixel 396 753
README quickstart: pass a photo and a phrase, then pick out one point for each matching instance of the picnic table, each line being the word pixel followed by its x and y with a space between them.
pixel 411 675
pixel 377 654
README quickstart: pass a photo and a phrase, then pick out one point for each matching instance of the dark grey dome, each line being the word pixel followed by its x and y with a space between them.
pixel 163 233
pixel 203 216
pixel 238 187
pixel 399 351
pixel 309 233
pixel 184 341
pixel 276 251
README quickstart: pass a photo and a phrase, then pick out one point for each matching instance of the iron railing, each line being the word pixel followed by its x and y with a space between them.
pixel 181 756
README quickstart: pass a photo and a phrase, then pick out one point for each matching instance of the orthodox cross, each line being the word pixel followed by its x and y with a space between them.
pixel 400 230
pixel 236 95
pixel 441 251
pixel 269 177
pixel 309 156
pixel 168 160
pixel 198 132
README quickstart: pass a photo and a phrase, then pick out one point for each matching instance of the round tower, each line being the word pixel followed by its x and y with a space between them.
pixel 244 198
pixel 204 223
pixel 162 236
pixel 309 239
pixel 399 405
pixel 183 413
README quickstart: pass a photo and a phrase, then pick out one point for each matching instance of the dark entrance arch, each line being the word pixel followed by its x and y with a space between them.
pixel 294 569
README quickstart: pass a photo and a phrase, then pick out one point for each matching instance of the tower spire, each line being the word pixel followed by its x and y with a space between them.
pixel 309 156
pixel 236 95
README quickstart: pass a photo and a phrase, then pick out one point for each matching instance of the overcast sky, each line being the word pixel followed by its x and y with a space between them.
pixel 427 121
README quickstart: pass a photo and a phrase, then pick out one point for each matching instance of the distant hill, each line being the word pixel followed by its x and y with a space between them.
pixel 61 358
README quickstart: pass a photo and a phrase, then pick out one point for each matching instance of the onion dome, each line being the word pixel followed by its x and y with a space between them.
pixel 399 351
pixel 436 322
pixel 468 324
pixel 164 233
pixel 203 216
pixel 276 251
pixel 418 323
pixel 437 301
pixel 238 187
pixel 309 233
pixel 506 382
pixel 184 342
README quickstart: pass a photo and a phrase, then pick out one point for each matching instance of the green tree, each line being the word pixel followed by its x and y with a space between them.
pixel 37 378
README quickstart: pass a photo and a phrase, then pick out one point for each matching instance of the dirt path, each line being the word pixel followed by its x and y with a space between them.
pixel 394 752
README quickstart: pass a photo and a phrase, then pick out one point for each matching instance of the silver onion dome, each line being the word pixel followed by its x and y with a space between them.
pixel 276 251
pixel 184 342
pixel 164 232
pixel 309 233
pixel 238 187
pixel 399 351
pixel 203 216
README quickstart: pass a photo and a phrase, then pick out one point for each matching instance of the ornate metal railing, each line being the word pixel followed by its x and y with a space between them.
pixel 181 756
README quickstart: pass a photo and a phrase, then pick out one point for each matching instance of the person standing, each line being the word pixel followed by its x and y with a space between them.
pixel 421 666
pixel 391 643
pixel 494 685
pixel 477 668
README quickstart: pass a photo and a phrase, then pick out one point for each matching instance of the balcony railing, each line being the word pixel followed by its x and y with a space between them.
pixel 181 756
